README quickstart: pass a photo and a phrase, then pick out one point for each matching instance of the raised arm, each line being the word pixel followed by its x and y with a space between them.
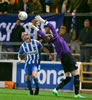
pixel 38 30
pixel 52 28
pixel 41 20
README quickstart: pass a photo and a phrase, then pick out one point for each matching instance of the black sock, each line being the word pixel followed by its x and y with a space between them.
pixel 36 82
pixel 76 84
pixel 64 82
pixel 29 85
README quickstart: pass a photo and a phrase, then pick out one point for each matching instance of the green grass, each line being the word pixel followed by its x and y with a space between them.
pixel 13 94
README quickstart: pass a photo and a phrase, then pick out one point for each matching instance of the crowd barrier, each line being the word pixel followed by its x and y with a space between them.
pixel 86 77
pixel 49 75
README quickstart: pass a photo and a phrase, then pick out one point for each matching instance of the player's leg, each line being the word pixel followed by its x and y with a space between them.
pixel 34 76
pixel 29 84
pixel 74 69
pixel 27 77
pixel 63 83
pixel 76 83
pixel 66 64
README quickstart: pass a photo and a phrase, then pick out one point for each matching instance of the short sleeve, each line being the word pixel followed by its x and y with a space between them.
pixel 21 51
pixel 39 44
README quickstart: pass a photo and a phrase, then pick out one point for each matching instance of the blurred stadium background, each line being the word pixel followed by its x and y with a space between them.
pixel 62 13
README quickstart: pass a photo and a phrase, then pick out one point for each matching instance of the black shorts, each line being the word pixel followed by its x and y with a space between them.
pixel 68 63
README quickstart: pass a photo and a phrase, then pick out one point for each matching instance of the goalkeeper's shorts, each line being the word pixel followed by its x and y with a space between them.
pixel 68 63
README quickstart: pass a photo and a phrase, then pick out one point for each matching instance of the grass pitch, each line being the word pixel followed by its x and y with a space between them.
pixel 16 94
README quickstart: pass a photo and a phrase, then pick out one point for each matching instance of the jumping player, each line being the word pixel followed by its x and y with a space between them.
pixel 31 48
pixel 63 52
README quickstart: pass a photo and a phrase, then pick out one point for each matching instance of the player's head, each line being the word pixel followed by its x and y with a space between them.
pixel 18 22
pixel 34 22
pixel 47 29
pixel 25 36
pixel 49 38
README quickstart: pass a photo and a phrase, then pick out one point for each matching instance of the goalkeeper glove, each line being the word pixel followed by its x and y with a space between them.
pixel 40 19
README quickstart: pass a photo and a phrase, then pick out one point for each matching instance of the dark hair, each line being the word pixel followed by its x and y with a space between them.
pixel 46 26
pixel 18 19
pixel 32 19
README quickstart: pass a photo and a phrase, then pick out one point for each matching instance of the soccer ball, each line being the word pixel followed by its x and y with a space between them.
pixel 22 15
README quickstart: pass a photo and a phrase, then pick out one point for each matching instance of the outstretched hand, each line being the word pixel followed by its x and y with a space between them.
pixel 39 19
pixel 30 25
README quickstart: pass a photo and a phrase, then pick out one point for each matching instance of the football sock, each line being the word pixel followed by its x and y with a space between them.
pixel 36 82
pixel 76 84
pixel 29 85
pixel 64 82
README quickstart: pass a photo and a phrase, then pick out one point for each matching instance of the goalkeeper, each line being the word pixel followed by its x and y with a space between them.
pixel 63 52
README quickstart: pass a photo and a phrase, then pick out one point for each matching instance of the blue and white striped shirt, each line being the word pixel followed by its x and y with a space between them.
pixel 32 50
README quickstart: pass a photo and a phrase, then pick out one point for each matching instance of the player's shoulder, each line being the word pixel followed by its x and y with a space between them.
pixel 23 43
pixel 35 40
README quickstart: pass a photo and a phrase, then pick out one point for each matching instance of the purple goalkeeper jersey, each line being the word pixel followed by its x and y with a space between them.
pixel 60 44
